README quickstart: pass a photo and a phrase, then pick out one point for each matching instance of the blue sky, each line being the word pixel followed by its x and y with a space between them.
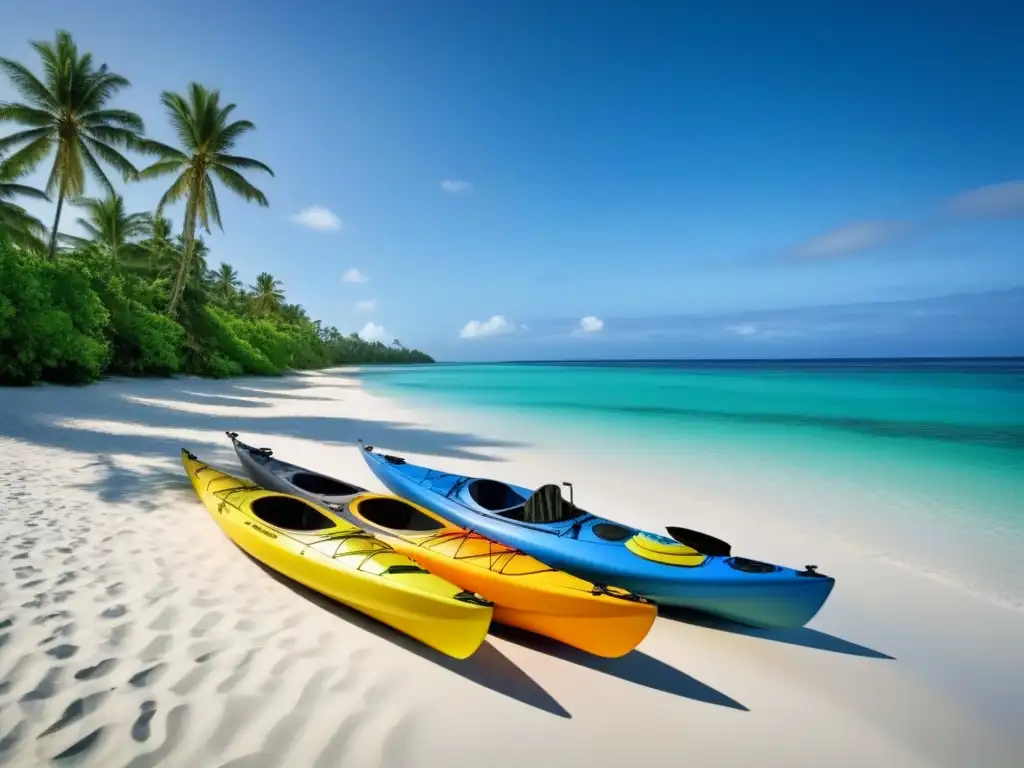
pixel 596 179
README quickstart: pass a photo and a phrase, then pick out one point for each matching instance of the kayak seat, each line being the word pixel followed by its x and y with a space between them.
pixel 396 514
pixel 321 485
pixel 493 495
pixel 290 513
pixel 546 505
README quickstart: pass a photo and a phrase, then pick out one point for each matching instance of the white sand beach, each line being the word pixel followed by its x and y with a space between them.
pixel 134 633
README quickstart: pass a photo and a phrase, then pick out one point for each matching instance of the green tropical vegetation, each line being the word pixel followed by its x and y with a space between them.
pixel 131 296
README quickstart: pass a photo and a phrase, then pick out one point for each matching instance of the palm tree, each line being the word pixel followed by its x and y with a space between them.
pixel 267 294
pixel 23 228
pixel 67 111
pixel 111 228
pixel 225 282
pixel 207 137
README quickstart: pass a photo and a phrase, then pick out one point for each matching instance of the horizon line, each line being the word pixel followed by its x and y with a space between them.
pixel 934 358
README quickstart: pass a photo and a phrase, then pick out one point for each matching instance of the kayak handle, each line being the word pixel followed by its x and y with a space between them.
pixel 232 435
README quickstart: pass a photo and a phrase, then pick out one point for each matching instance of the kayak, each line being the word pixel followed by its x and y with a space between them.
pixel 687 569
pixel 608 622
pixel 310 545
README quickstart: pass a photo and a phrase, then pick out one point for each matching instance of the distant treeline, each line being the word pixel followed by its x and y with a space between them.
pixel 131 297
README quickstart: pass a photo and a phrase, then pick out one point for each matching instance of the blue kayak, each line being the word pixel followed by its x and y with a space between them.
pixel 689 570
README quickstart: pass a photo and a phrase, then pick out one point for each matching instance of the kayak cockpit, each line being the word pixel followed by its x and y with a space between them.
pixel 290 513
pixel 322 485
pixel 544 505
pixel 395 514
pixel 494 496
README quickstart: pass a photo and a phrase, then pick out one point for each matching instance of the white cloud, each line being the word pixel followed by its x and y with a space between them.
pixel 373 332
pixel 317 217
pixel 354 276
pixel 366 305
pixel 495 325
pixel 591 324
pixel 743 329
pixel 995 200
pixel 850 238
pixel 456 187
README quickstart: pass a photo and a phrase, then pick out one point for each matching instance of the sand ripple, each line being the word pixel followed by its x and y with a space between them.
pixel 113 655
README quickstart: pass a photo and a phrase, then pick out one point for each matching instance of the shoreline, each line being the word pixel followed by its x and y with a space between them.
pixel 917 512
pixel 163 609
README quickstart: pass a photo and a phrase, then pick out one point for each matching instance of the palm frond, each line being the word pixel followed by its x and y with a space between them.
pixel 241 163
pixel 23 136
pixel 112 118
pixel 163 167
pixel 111 157
pixel 94 167
pixel 102 88
pixel 27 158
pixel 179 115
pixel 176 191
pixel 28 85
pixel 238 184
pixel 25 114
pixel 9 190
pixel 230 134
pixel 212 206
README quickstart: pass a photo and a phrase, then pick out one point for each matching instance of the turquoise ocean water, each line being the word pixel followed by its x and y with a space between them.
pixel 942 441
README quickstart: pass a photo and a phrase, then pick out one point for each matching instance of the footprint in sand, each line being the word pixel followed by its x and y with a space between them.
pixel 114 612
pixel 25 571
pixel 56 615
pixel 148 675
pixel 140 728
pixel 245 625
pixel 238 674
pixel 175 729
pixel 118 635
pixel 76 710
pixel 62 595
pixel 115 590
pixel 46 687
pixel 195 676
pixel 64 630
pixel 38 602
pixel 66 577
pixel 206 623
pixel 97 670
pixel 167 619
pixel 11 739
pixel 64 651
pixel 157 647
pixel 80 747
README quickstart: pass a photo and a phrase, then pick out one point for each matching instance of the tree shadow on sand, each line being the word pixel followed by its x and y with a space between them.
pixel 802 636
pixel 116 484
pixel 635 667
pixel 107 419
pixel 488 667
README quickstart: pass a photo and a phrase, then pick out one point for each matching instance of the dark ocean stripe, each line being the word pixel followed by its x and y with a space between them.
pixel 1004 436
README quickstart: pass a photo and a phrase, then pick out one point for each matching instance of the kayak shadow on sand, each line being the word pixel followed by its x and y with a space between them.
pixel 802 636
pixel 635 667
pixel 488 667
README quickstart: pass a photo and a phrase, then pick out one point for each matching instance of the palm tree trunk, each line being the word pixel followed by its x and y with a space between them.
pixel 56 221
pixel 188 236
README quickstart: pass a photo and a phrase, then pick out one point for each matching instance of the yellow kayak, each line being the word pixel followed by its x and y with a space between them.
pixel 311 545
